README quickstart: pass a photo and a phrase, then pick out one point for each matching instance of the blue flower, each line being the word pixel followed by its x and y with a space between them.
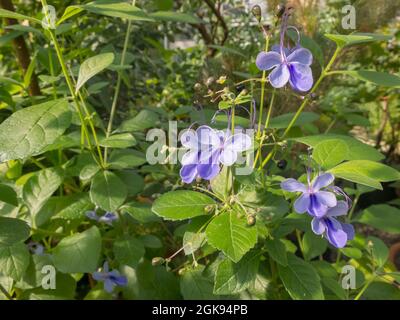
pixel 110 278
pixel 107 218
pixel 288 65
pixel 313 200
pixel 336 232
pixel 36 248
pixel 208 149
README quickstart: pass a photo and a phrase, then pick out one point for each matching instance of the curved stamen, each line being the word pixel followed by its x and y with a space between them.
pixel 297 32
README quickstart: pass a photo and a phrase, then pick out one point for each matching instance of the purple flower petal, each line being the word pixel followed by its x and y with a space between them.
pixel 339 210
pixel 279 76
pixel 302 56
pixel 326 198
pixel 239 142
pixel 316 208
pixel 188 173
pixel 109 285
pixel 335 233
pixel 349 229
pixel 318 226
pixel 92 215
pixel 208 171
pixel 190 157
pixel 267 60
pixel 208 136
pixel 301 78
pixel 302 203
pixel 189 139
pixel 322 181
pixel 99 276
pixel 121 281
pixel 228 157
pixel 292 185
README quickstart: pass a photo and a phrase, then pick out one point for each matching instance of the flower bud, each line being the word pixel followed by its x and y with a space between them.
pixel 197 86
pixel 251 220
pixel 256 11
pixel 157 261
pixel 208 208
pixel 280 10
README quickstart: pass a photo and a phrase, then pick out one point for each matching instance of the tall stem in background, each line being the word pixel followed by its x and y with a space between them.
pixel 263 80
pixel 118 86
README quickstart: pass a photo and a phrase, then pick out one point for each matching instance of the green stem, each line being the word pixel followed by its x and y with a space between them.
pixel 366 285
pixel 263 81
pixel 324 73
pixel 72 91
pixel 118 85
pixel 298 236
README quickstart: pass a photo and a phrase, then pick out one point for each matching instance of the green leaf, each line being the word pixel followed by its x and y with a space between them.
pixel 277 251
pixel 69 13
pixel 343 40
pixel 300 279
pixel 92 66
pixel 13 230
pixel 381 216
pixel 353 253
pixel 107 191
pixel 121 140
pixel 14 260
pixel 134 182
pixel 26 132
pixel 78 253
pixel 143 120
pixel 77 206
pixel 192 241
pixel 140 212
pixel 227 51
pixel 378 78
pixel 8 195
pixel 313 245
pixel 310 44
pixel 329 153
pixel 13 15
pixel 117 9
pixel 232 278
pixel 40 187
pixel 175 17
pixel 196 286
pixel 128 251
pixel 282 121
pixel 181 204
pixel 334 286
pixel 378 249
pixel 126 158
pixel 365 172
pixel 356 149
pixel 231 235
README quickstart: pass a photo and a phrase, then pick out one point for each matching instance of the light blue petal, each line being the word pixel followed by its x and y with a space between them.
pixel 279 76
pixel 322 181
pixel 292 185
pixel 301 55
pixel 267 60
pixel 302 203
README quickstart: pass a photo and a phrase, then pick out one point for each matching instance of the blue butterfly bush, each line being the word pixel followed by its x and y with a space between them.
pixel 111 279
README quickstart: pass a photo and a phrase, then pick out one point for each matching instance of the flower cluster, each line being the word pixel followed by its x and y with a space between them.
pixel 208 149
pixel 319 202
pixel 289 64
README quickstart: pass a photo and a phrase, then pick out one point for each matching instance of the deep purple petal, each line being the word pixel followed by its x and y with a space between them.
pixel 292 185
pixel 301 78
pixel 279 76
pixel 267 60
pixel 188 173
pixel 120 280
pixel 208 171
pixel 302 203
pixel 339 210
pixel 335 233
pixel 316 208
pixel 301 55
pixel 322 181
pixel 318 226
